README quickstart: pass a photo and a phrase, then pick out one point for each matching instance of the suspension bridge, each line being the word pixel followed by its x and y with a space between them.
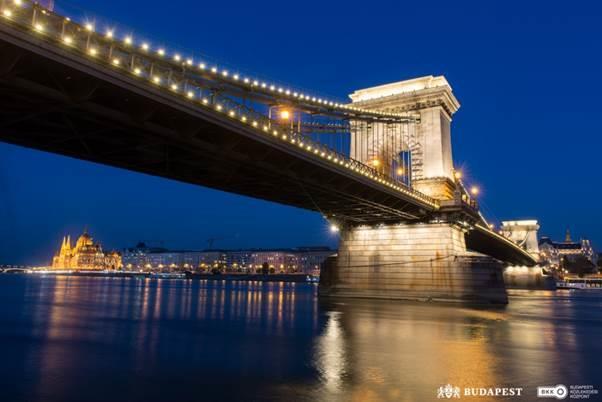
pixel 379 167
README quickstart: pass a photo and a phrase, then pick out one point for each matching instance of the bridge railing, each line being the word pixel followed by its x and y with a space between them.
pixel 236 97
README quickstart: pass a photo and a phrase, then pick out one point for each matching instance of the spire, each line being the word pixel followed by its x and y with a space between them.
pixel 567 236
pixel 69 242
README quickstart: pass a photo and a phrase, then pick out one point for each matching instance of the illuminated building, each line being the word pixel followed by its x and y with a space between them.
pixel 85 255
pixel 553 252
pixel 306 260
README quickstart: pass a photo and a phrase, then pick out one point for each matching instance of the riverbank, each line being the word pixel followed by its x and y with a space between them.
pixel 298 278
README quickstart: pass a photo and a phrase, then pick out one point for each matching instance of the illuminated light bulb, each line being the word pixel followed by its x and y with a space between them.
pixel 190 94
pixel 145 46
pixel 375 162
pixel 18 2
pixel 225 73
pixel 264 85
pixel 116 62
pixel 295 94
pixel 336 160
pixel 214 70
pixel 458 174
pixel 288 92
pixel 400 171
pixel 205 101
pixel 174 87
pixel 93 51
pixel 284 137
pixel 246 80
pixel 329 157
pixel 265 128
pixel 39 27
pixel 285 115
pixel 231 113
pixel 272 87
pixel 189 62
pixel 128 40
pixel 137 71
pixel 7 13
pixel 218 107
pixel 109 34
pixel 322 154
pixel 235 77
pixel 177 57
pixel 68 40
pixel 474 190
pixel 254 124
pixel 243 118
pixel 334 228
pixel 202 66
pixel 275 133
pixel 161 52
pixel 156 80
pixel 280 90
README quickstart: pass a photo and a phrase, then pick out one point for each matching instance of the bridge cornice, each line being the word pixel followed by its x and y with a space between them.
pixel 409 96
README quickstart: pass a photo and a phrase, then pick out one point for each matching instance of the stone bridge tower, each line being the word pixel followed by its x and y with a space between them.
pixel 430 98
pixel 413 260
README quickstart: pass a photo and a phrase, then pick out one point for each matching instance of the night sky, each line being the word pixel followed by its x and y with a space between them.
pixel 526 73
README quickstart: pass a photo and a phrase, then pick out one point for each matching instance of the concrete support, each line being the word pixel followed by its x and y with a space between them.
pixel 412 261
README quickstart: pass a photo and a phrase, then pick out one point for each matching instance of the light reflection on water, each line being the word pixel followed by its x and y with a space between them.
pixel 92 339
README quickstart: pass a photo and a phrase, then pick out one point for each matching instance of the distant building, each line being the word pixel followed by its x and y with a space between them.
pixel 302 259
pixel 553 252
pixel 85 255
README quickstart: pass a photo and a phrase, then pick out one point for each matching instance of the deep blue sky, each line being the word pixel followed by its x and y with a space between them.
pixel 526 73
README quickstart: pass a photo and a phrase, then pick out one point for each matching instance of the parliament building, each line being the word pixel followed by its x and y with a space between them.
pixel 85 255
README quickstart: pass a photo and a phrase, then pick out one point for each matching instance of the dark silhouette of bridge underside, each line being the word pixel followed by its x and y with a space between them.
pixel 56 103
pixel 59 102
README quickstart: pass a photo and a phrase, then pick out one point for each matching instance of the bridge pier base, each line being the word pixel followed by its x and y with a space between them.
pixel 426 261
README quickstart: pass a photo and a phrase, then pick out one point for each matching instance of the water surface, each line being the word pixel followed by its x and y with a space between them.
pixel 103 339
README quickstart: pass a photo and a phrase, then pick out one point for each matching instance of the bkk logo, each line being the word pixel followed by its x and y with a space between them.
pixel 449 391
pixel 559 392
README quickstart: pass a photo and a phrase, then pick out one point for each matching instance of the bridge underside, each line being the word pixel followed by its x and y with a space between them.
pixel 58 104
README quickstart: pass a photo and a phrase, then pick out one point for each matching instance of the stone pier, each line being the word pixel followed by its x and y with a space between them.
pixel 424 261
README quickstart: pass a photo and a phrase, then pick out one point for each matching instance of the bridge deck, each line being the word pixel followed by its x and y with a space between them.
pixel 59 102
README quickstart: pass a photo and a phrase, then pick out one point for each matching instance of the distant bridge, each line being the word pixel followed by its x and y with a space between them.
pixel 75 90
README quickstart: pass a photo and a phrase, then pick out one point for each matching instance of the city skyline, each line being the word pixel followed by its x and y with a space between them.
pixel 516 183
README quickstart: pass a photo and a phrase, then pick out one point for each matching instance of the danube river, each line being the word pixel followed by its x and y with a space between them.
pixel 102 339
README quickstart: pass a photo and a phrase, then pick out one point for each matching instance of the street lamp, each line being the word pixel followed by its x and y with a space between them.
pixel 474 190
